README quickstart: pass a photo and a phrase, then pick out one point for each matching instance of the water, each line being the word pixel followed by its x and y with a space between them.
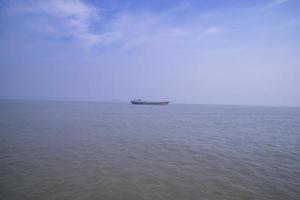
pixel 76 150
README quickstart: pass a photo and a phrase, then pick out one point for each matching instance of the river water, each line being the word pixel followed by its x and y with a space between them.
pixel 115 151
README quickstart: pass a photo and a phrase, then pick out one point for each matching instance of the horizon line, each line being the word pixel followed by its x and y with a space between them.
pixel 123 102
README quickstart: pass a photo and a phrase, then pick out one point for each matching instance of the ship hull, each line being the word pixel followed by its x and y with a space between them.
pixel 150 103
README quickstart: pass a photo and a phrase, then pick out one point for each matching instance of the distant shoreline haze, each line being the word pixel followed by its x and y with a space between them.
pixel 128 102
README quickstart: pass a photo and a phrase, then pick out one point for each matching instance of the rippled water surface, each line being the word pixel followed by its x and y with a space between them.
pixel 74 150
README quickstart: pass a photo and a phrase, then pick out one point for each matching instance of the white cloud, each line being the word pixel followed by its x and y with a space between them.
pixel 63 8
pixel 276 3
pixel 74 16
pixel 213 30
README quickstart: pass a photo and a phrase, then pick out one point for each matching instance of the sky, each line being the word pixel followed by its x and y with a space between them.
pixel 203 52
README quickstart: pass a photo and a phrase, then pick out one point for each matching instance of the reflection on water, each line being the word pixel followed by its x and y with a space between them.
pixel 70 150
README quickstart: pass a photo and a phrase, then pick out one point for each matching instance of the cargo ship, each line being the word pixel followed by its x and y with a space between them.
pixel 140 102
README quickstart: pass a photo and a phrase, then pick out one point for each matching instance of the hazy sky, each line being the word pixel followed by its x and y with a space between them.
pixel 209 52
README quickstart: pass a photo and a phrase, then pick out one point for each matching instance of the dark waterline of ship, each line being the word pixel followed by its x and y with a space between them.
pixel 73 150
pixel 140 102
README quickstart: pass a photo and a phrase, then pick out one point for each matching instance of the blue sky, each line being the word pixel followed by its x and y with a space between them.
pixel 209 52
